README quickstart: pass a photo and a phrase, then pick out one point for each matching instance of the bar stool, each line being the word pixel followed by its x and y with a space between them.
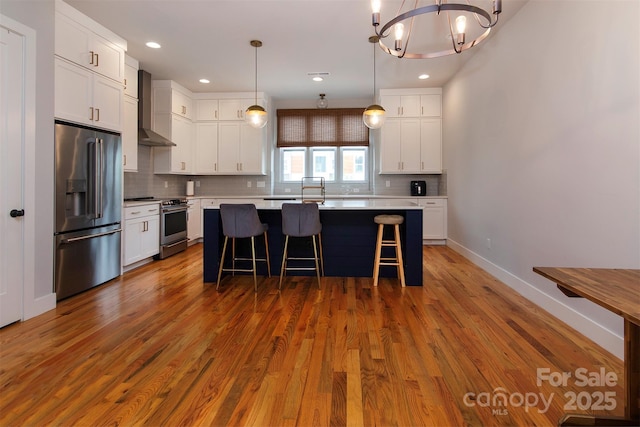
pixel 241 221
pixel 301 220
pixel 383 220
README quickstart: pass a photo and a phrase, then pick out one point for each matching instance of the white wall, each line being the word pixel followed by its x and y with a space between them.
pixel 541 137
pixel 39 16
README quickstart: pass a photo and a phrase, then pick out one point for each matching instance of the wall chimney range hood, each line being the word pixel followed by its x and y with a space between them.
pixel 145 135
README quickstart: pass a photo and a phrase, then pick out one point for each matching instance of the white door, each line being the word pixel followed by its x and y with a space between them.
pixel 11 176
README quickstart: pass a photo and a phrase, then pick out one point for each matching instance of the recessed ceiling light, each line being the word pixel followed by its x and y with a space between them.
pixel 423 76
pixel 318 76
pixel 204 81
pixel 153 45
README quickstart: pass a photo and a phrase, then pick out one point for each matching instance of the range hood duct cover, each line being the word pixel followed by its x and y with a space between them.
pixel 145 135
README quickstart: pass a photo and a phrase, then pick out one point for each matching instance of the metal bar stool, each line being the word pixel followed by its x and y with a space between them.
pixel 241 221
pixel 301 220
pixel 383 220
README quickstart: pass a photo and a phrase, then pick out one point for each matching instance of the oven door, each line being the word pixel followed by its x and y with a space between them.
pixel 173 224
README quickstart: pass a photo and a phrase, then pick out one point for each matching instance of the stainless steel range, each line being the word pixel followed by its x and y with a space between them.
pixel 173 227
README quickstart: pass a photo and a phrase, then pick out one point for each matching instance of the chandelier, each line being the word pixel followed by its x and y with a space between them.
pixel 458 38
pixel 256 116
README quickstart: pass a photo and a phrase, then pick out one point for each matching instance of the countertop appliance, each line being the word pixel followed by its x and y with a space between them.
pixel 418 188
pixel 88 182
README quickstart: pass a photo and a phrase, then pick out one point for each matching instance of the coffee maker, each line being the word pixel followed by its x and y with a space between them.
pixel 418 188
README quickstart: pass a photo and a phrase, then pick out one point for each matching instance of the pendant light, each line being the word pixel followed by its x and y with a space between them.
pixel 374 114
pixel 256 116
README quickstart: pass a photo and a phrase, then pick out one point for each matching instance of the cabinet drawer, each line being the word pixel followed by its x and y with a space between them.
pixel 430 203
pixel 140 211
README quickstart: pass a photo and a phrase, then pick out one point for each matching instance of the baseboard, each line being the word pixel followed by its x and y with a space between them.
pixel 578 321
pixel 39 305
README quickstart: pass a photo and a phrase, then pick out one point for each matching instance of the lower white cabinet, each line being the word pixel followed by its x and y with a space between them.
pixel 434 218
pixel 141 232
pixel 194 219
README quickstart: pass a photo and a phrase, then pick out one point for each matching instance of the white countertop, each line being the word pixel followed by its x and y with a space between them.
pixel 383 204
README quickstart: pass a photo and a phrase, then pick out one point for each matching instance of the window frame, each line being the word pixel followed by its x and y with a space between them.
pixel 339 163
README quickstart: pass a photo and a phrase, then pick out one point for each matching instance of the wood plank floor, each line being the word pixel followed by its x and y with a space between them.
pixel 157 346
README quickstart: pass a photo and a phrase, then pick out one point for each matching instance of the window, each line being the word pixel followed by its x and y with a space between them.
pixel 293 164
pixel 334 164
pixel 331 143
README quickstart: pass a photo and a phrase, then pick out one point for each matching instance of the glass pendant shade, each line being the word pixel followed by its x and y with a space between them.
pixel 256 116
pixel 321 102
pixel 374 116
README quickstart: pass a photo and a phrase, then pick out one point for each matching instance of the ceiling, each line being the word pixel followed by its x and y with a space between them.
pixel 210 39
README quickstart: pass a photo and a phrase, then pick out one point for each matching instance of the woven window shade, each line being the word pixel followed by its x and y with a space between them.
pixel 313 127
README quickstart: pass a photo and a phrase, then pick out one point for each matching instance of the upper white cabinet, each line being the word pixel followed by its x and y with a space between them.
pixel 412 102
pixel 130 135
pixel 130 117
pixel 170 97
pixel 205 152
pixel 131 77
pixel 233 109
pixel 87 98
pixel 206 109
pixel 400 148
pixel 172 109
pixel 411 139
pixel 401 105
pixel 89 70
pixel 240 149
pixel 83 41
pixel 177 159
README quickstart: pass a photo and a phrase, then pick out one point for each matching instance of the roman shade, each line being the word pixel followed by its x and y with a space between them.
pixel 334 127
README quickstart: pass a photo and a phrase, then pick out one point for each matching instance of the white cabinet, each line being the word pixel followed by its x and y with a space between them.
pixel 131 77
pixel 205 151
pixel 431 146
pixel 411 140
pixel 206 109
pixel 141 232
pixel 400 146
pixel 233 109
pixel 240 149
pixel 434 218
pixel 170 97
pixel 130 135
pixel 431 105
pixel 194 219
pixel 177 159
pixel 81 46
pixel 181 104
pixel 85 97
pixel 401 105
pixel 172 110
pixel 425 105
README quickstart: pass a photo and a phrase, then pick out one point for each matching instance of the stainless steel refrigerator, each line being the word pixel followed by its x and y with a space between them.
pixel 88 208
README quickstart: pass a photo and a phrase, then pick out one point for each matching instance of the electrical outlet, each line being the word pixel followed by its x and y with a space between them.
pixel 248 184
pixel 166 184
pixel 387 183
pixel 287 190
pixel 356 190
pixel 488 243
pixel 260 184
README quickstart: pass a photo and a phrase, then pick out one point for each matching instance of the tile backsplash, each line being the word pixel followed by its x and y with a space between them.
pixel 146 183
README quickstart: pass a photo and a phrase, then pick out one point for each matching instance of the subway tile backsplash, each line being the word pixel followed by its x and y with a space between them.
pixel 146 183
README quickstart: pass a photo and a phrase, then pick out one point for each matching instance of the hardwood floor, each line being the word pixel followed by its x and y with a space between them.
pixel 158 346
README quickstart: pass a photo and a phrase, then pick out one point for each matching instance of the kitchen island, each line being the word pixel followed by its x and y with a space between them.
pixel 348 238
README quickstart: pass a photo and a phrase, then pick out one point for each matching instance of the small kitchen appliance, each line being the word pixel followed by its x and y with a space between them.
pixel 418 188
